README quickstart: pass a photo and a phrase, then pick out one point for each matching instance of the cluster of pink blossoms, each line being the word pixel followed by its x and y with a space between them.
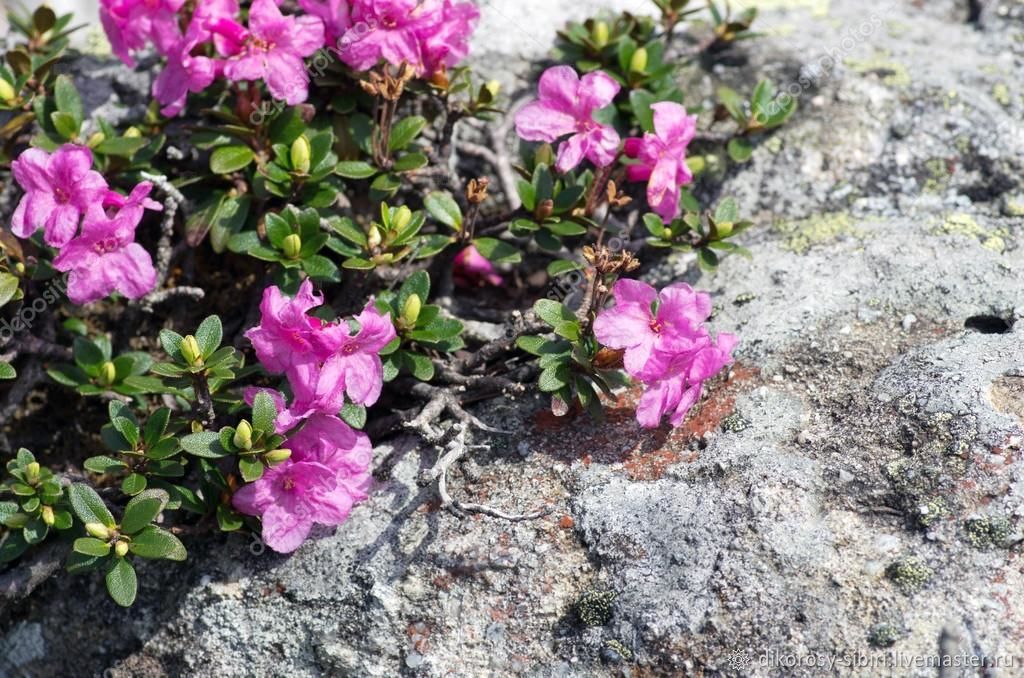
pixel 427 34
pixel 329 469
pixel 667 346
pixel 62 192
pixel 565 107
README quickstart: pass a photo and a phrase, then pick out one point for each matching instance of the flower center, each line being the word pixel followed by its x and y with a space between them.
pixel 106 245
pixel 260 44
pixel 289 483
pixel 62 196
pixel 656 326
pixel 348 349
pixel 388 21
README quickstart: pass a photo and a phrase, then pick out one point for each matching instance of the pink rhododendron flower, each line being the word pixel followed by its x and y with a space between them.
pixel 683 381
pixel 472 269
pixel 318 388
pixel 334 14
pixel 133 206
pixel 184 73
pixel 130 23
pixel 326 475
pixel 647 335
pixel 388 30
pixel 105 258
pixel 207 14
pixel 447 43
pixel 59 189
pixel 662 157
pixel 271 50
pixel 565 106
pixel 287 335
pixel 357 357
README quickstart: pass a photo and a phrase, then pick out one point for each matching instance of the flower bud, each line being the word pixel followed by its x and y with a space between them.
pixel 16 521
pixel 32 472
pixel 666 234
pixel 191 352
pixel 494 87
pixel 108 373
pixel 243 436
pixel 47 515
pixel 403 215
pixel 600 34
pixel 545 209
pixel 300 155
pixel 545 155
pixel 95 139
pixel 7 93
pixel 19 268
pixel 277 456
pixel 411 311
pixel 373 238
pixel 696 163
pixel 98 530
pixel 724 229
pixel 292 245
pixel 638 63
pixel 121 549
pixel 132 133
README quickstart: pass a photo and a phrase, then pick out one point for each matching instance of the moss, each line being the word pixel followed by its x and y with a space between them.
pixel 1001 93
pixel 883 635
pixel 773 145
pixel 916 485
pixel 964 224
pixel 799 236
pixel 893 73
pixel 938 175
pixel 909 574
pixel 594 608
pixel 744 298
pixel 734 423
pixel 988 532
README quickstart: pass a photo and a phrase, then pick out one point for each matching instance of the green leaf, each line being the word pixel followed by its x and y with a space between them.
pixel 404 131
pixel 497 251
pixel 320 267
pixel 264 412
pixel 35 530
pixel 227 519
pixel 410 162
pixel 123 421
pixel 354 415
pixel 122 585
pixel 563 266
pixel 153 542
pixel 142 509
pixel 88 505
pixel 553 312
pixel 171 343
pixel 65 125
pixel 228 159
pixel 122 147
pixel 7 371
pixel 67 100
pixel 87 354
pixel 251 469
pixel 553 379
pixel 355 169
pixel 133 484
pixel 419 284
pixel 727 211
pixel 565 228
pixel 103 464
pixel 740 149
pixel 9 285
pixel 707 259
pixel 204 444
pixel 90 546
pixel 444 209
pixel 12 546
pixel 640 101
pixel 156 426
pixel 420 366
pixel 209 335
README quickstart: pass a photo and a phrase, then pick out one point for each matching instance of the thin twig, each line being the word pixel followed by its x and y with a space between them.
pixel 164 249
pixel 456 450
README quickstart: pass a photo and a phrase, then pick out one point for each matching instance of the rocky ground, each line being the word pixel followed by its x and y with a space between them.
pixel 850 497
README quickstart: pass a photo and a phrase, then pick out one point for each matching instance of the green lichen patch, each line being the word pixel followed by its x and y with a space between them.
pixel 964 224
pixel 1001 93
pixel 594 607
pixel 884 634
pixel 616 649
pixel 987 532
pixel 909 574
pixel 801 235
pixel 892 73
pixel 734 423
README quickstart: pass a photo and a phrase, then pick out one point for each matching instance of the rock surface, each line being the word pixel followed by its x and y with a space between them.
pixel 849 501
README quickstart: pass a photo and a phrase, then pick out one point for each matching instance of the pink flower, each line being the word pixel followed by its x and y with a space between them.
pixel 318 388
pixel 662 157
pixel 59 188
pixel 446 43
pixel 130 23
pixel 272 49
pixel 208 13
pixel 133 206
pixel 566 105
pixel 472 269
pixel 683 381
pixel 105 258
pixel 391 30
pixel 326 475
pixel 334 14
pixel 184 73
pixel 357 358
pixel 649 336
pixel 287 335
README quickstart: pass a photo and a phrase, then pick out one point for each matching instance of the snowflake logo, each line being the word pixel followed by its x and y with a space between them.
pixel 738 660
